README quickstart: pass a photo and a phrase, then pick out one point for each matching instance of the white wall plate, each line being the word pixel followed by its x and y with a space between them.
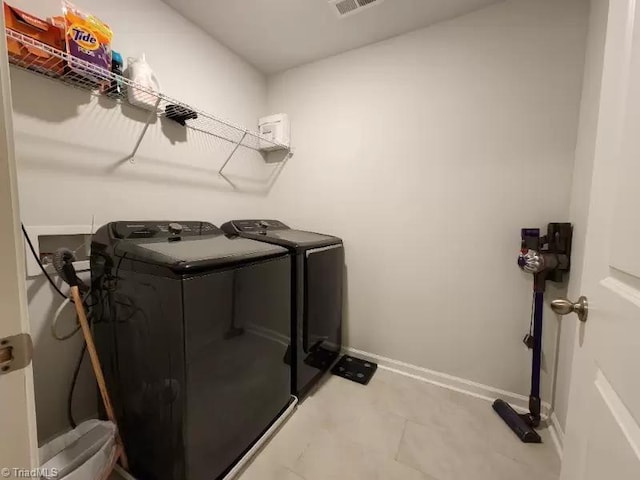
pixel 41 236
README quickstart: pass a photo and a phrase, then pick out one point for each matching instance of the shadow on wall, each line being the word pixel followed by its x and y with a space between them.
pixel 174 132
pixel 557 291
pixel 59 128
pixel 266 183
pixel 35 152
pixel 41 99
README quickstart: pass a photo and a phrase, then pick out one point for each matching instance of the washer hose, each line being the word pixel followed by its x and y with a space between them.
pixel 62 261
pixel 61 257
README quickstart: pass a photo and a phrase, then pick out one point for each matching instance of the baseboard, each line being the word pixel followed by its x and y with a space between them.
pixel 461 385
pixel 557 433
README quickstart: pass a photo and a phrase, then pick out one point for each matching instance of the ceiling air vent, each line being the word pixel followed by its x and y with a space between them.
pixel 345 8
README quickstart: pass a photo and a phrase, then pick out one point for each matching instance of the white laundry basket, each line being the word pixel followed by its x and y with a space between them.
pixel 85 453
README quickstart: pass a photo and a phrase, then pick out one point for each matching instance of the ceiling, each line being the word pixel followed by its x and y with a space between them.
pixel 274 35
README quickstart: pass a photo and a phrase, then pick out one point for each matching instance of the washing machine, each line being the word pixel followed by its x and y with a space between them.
pixel 192 329
pixel 317 283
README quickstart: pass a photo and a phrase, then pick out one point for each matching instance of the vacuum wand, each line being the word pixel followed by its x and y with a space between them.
pixel 523 424
pixel 534 397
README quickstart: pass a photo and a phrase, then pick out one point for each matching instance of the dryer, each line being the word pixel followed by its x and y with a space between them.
pixel 317 295
pixel 192 328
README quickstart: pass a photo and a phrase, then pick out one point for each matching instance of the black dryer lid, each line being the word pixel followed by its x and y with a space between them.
pixel 278 233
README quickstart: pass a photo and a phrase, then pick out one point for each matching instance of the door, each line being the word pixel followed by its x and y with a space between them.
pixel 322 321
pixel 236 337
pixel 18 439
pixel 603 432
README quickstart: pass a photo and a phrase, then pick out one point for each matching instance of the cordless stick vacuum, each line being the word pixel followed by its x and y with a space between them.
pixel 547 258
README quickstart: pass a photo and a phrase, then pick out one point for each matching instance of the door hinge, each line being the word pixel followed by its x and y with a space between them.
pixel 15 352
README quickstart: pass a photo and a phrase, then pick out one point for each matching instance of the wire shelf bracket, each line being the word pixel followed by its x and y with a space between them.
pixel 232 153
pixel 150 117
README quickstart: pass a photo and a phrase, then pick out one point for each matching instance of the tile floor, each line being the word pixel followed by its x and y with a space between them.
pixel 398 428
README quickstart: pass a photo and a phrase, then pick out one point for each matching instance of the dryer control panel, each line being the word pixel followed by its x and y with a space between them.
pixel 255 226
pixel 163 229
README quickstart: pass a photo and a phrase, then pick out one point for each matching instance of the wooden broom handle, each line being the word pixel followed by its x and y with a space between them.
pixel 97 370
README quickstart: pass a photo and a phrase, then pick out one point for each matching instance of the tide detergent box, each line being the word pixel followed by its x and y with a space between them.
pixel 87 39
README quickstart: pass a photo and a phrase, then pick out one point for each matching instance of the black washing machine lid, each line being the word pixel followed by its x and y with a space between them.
pixel 192 249
pixel 276 232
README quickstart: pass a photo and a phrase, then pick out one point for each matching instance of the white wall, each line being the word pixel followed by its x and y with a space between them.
pixel 581 190
pixel 70 148
pixel 427 153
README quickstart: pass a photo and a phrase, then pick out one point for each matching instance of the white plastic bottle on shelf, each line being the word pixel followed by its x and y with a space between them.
pixel 141 73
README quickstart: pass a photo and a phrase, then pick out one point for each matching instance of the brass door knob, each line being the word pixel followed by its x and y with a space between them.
pixel 564 307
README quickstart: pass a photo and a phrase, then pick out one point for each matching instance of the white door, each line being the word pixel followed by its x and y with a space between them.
pixel 18 440
pixel 603 431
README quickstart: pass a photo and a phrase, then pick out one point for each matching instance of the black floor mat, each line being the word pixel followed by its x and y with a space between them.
pixel 355 369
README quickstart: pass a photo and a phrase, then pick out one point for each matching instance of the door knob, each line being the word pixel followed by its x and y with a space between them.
pixel 564 307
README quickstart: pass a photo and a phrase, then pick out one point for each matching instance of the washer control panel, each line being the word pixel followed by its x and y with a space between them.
pixel 163 229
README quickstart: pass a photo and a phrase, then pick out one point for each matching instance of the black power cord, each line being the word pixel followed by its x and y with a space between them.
pixel 76 372
pixel 37 258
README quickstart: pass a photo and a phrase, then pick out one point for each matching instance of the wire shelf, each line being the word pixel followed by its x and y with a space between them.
pixel 50 62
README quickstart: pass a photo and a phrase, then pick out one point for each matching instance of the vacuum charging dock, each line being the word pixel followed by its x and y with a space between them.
pixel 546 258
